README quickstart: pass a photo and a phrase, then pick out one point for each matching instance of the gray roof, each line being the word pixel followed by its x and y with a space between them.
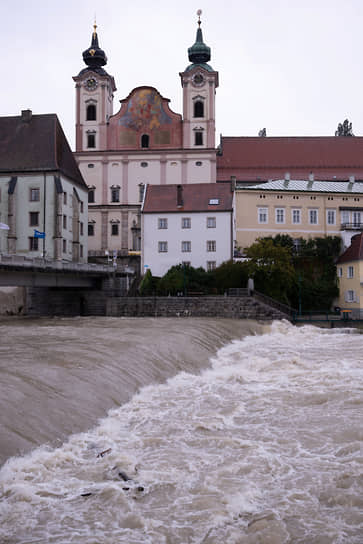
pixel 36 143
pixel 304 185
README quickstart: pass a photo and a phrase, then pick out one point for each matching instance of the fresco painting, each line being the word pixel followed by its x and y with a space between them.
pixel 145 111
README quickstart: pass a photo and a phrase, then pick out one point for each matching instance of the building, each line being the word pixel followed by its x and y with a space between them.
pixel 144 143
pixel 191 224
pixel 261 159
pixel 299 208
pixel 350 274
pixel 43 197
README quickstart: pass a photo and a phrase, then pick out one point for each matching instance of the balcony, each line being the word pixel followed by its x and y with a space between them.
pixel 351 226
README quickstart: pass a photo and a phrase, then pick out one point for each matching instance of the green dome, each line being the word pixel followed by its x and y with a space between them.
pixel 199 53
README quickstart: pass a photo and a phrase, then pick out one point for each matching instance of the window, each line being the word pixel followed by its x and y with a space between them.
pixel 198 138
pixel 91 229
pixel 64 221
pixel 211 222
pixel 91 165
pixel 64 198
pixel 162 223
pixel 213 201
pixel 81 228
pixel 313 217
pixel 34 195
pixel 280 215
pixel 262 215
pixel 186 263
pixel 296 216
pixel 33 244
pixel 91 140
pixel 186 223
pixel 91 112
pixel 141 191
pixel 144 164
pixel 339 272
pixel 345 217
pixel 33 219
pixel 64 246
pixel 115 194
pixel 186 247
pixel 198 108
pixel 81 206
pixel 211 245
pixel 114 229
pixel 350 296
pixel 356 219
pixel 91 196
pixel 211 265
pixel 163 247
pixel 198 163
pixel 350 271
pixel 330 217
pixel 145 139
pixel 81 250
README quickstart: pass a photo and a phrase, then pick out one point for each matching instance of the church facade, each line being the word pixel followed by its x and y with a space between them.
pixel 144 143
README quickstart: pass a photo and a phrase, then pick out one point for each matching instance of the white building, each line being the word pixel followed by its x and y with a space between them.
pixel 43 197
pixel 191 224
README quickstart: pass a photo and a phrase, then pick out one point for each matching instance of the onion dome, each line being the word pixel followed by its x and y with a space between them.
pixel 199 53
pixel 94 56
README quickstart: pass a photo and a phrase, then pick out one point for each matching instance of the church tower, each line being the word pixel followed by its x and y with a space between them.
pixel 94 99
pixel 199 82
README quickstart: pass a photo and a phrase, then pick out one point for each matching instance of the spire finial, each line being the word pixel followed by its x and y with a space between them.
pixel 94 27
pixel 199 13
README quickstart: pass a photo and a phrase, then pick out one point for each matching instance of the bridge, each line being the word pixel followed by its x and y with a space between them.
pixel 18 270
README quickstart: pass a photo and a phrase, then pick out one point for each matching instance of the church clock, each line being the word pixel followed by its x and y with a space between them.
pixel 91 84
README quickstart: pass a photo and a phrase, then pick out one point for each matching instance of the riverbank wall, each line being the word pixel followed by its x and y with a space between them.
pixel 48 302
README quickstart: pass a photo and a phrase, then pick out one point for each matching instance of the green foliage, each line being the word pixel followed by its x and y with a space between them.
pixel 149 284
pixel 270 265
pixel 181 279
pixel 228 275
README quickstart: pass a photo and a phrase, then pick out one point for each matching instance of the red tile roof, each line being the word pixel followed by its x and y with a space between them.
pixel 195 196
pixel 355 251
pixel 263 155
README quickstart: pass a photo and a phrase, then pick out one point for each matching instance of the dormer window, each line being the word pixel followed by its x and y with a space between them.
pixel 145 140
pixel 198 108
pixel 91 112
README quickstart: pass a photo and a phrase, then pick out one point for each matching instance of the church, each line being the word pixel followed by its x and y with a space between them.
pixel 144 143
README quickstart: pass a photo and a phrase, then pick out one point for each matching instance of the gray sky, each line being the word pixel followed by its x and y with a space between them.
pixel 292 66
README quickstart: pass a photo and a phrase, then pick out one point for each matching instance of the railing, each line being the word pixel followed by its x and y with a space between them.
pixel 283 308
pixel 351 226
pixel 48 264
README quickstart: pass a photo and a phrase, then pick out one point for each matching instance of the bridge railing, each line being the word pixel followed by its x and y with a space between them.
pixel 24 261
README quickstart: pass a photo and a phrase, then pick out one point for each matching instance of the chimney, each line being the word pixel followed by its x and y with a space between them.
pixel 233 183
pixel 311 176
pixel 351 179
pixel 179 196
pixel 26 116
pixel 287 176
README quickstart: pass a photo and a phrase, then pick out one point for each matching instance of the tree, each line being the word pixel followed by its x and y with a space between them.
pixel 344 129
pixel 271 268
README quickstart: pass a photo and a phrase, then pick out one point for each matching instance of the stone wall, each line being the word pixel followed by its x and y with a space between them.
pixel 43 302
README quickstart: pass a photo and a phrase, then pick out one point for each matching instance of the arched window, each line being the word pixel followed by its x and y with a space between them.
pixel 198 109
pixel 198 138
pixel 91 112
pixel 145 140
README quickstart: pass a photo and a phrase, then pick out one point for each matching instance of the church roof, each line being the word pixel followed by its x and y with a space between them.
pixel 355 251
pixel 36 143
pixel 187 198
pixel 257 153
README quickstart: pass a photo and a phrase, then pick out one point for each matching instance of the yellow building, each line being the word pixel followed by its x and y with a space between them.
pixel 350 273
pixel 299 208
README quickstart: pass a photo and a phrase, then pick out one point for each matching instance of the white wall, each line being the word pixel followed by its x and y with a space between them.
pixel 174 235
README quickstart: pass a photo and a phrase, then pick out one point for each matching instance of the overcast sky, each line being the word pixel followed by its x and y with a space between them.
pixel 292 66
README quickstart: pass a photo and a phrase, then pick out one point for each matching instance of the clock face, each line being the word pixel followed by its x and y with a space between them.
pixel 90 83
pixel 198 79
